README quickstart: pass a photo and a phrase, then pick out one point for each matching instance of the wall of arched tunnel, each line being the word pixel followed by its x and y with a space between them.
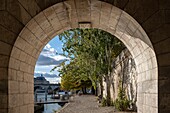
pixel 66 15
pixel 26 29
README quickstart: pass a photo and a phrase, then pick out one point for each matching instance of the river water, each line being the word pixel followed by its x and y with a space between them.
pixel 48 108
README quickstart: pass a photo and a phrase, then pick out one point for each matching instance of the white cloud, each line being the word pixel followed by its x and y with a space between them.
pixel 48 51
pixel 48 46
pixel 54 80
pixel 60 57
pixel 45 60
pixel 48 57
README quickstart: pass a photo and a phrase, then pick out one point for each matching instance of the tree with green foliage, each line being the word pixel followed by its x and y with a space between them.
pixel 92 53
pixel 73 77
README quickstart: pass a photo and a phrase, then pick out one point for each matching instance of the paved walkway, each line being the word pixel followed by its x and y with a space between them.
pixel 85 104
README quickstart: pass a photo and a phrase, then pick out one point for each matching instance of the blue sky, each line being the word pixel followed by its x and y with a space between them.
pixel 48 59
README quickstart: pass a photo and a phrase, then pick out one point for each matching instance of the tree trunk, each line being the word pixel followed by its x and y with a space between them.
pixel 92 90
pixel 96 93
pixel 85 91
pixel 108 97
pixel 101 87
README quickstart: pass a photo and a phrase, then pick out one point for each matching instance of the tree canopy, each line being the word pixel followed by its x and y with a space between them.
pixel 91 52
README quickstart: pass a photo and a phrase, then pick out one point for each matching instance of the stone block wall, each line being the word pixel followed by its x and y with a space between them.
pixel 124 71
pixel 143 25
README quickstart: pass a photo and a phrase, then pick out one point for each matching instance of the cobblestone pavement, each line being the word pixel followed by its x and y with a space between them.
pixel 85 104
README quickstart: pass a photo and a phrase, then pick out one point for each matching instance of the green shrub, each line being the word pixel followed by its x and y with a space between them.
pixel 122 103
pixel 111 103
pixel 104 102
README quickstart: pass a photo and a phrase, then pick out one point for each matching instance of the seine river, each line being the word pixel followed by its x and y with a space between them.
pixel 48 108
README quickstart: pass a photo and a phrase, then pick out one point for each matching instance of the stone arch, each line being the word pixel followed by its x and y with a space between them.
pixel 73 14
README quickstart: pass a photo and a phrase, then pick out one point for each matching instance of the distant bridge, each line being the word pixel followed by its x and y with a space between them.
pixel 46 86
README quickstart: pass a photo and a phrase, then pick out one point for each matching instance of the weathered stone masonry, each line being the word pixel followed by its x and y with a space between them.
pixel 27 25
pixel 124 70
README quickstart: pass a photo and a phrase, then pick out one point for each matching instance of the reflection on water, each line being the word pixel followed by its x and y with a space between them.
pixel 48 108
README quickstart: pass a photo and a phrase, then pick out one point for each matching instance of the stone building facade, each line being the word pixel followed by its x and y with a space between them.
pixel 40 80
